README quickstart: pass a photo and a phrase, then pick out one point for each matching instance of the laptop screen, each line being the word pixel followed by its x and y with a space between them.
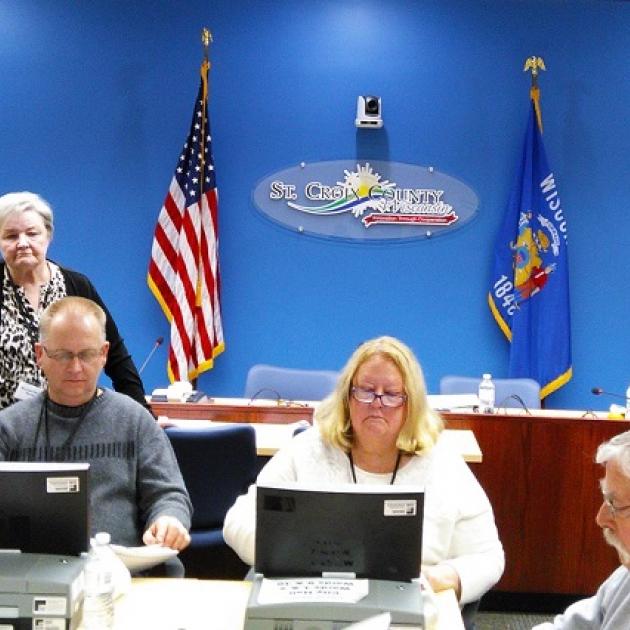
pixel 44 507
pixel 370 531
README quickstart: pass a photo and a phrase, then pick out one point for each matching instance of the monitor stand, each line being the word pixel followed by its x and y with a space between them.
pixel 404 600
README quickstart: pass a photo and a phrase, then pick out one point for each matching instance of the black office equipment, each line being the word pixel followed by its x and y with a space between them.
pixel 340 534
pixel 369 531
pixel 44 507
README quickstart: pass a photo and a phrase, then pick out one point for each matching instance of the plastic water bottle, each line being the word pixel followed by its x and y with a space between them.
pixel 98 603
pixel 486 394
pixel 628 403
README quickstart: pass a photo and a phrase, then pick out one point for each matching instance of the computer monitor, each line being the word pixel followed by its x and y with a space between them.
pixel 44 507
pixel 364 530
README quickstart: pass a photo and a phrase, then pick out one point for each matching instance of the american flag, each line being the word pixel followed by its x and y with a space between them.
pixel 184 268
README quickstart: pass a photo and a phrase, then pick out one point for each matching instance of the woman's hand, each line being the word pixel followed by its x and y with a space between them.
pixel 442 577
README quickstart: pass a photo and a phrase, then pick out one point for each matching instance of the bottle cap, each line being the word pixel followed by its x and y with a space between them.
pixel 102 538
pixel 487 376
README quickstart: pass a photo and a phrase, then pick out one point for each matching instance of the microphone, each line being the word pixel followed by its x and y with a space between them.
pixel 598 391
pixel 518 399
pixel 156 345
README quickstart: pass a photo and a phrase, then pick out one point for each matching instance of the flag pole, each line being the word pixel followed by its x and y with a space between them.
pixel 206 38
pixel 534 65
pixel 184 266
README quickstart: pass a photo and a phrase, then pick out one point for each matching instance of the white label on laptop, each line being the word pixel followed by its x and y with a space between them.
pixel 322 590
pixel 62 485
pixel 49 623
pixel 26 390
pixel 400 507
pixel 49 605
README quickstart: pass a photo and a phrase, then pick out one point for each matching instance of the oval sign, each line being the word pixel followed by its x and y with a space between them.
pixel 366 200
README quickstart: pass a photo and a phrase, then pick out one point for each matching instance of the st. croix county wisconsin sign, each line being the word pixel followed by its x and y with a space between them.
pixel 366 200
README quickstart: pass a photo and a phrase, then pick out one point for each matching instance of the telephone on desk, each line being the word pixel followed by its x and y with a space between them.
pixel 180 391
pixel 196 395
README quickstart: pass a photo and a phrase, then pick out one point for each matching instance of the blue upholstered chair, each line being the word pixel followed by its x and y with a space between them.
pixel 218 464
pixel 507 390
pixel 269 381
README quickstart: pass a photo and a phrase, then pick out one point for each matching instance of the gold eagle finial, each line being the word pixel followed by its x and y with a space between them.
pixel 206 40
pixel 534 64
pixel 206 37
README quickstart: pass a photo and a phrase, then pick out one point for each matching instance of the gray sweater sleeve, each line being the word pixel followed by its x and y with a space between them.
pixel 160 486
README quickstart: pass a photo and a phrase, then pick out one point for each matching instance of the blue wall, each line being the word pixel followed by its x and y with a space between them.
pixel 96 99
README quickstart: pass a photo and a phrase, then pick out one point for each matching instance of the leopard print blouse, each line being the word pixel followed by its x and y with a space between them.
pixel 17 355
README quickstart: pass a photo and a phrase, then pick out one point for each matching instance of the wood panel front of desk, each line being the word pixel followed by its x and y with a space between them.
pixel 272 414
pixel 540 476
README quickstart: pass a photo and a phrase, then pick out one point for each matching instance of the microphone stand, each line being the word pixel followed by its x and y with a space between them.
pixel 156 345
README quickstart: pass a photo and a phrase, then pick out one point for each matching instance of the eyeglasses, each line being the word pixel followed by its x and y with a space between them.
pixel 616 512
pixel 65 356
pixel 368 396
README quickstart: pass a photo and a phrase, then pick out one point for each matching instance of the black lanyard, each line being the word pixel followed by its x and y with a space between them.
pixel 354 474
pixel 43 420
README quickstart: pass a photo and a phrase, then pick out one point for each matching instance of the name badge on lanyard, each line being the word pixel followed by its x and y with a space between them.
pixel 26 390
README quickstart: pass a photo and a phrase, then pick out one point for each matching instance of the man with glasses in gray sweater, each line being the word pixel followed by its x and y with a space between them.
pixel 137 493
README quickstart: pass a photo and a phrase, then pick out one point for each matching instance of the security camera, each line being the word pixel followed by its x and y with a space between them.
pixel 369 112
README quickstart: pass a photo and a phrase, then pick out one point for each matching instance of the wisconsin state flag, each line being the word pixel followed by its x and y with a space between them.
pixel 529 294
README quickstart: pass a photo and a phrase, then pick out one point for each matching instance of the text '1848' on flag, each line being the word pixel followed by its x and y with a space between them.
pixel 184 267
pixel 529 295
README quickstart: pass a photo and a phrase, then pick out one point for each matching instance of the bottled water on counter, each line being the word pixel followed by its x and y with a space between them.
pixel 486 394
pixel 98 603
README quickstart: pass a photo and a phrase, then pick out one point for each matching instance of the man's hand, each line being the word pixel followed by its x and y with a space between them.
pixel 168 532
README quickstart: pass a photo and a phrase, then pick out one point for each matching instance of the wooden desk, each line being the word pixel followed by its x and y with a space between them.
pixel 171 604
pixel 540 476
pixel 237 410
pixel 271 422
pixel 271 437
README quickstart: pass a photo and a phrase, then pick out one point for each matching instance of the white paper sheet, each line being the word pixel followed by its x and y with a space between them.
pixel 321 590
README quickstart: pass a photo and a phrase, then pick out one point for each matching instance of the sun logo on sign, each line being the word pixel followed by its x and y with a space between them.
pixel 366 190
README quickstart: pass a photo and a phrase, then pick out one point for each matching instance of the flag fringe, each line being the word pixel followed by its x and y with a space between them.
pixel 497 316
pixel 158 296
pixel 557 383
pixel 202 367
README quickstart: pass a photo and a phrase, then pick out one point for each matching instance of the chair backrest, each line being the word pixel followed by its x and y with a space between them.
pixel 289 383
pixel 218 464
pixel 527 389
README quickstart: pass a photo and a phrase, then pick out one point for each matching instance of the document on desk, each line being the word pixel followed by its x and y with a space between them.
pixel 449 402
pixel 378 622
pixel 312 590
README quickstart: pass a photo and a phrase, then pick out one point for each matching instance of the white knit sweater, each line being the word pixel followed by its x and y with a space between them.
pixel 459 526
